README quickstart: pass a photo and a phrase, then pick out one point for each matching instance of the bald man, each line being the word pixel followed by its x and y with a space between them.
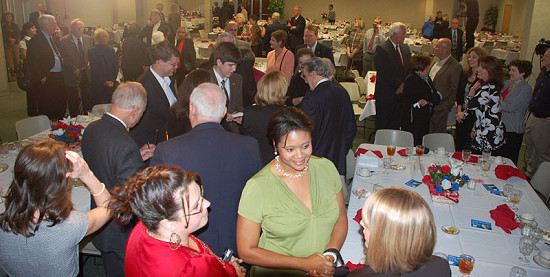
pixel 445 73
pixel 40 11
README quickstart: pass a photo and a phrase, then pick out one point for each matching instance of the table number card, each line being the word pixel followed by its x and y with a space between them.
pixel 453 260
pixel 481 224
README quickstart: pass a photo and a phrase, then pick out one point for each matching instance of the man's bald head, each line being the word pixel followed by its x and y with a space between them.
pixel 442 48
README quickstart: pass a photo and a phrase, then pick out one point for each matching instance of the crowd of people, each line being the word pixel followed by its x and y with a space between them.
pixel 190 161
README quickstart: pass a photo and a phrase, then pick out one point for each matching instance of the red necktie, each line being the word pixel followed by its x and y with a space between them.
pixel 399 57
pixel 372 40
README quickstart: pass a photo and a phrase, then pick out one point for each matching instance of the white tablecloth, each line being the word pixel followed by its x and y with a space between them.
pixel 495 251
pixel 505 55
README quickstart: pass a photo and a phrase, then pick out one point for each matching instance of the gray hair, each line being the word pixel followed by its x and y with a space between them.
pixel 156 11
pixel 210 106
pixel 320 66
pixel 396 27
pixel 129 95
pixel 44 20
pixel 330 65
pixel 225 35
pixel 276 16
pixel 157 37
pixel 76 20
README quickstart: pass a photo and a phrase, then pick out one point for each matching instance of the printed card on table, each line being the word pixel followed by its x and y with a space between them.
pixel 481 224
pixel 492 189
pixel 413 183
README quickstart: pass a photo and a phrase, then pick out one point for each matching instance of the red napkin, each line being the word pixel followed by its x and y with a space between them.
pixel 458 156
pixel 402 152
pixel 353 266
pixel 370 96
pixel 361 151
pixel 504 218
pixel 358 216
pixel 506 171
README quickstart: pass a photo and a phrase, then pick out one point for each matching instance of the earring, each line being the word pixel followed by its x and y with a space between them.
pixel 175 241
pixel 276 153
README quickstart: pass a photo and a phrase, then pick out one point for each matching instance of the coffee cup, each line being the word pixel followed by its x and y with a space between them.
pixel 526 218
pixel 544 257
pixel 441 151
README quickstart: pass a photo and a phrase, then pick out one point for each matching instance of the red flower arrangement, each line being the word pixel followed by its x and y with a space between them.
pixel 68 132
pixel 372 79
pixel 444 183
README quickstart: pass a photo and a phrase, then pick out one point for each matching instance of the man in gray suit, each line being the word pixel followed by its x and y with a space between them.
pixel 74 49
pixel 232 27
pixel 445 73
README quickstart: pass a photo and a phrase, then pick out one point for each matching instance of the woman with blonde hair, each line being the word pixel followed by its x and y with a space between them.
pixel 104 68
pixel 269 99
pixel 400 236
pixel 354 46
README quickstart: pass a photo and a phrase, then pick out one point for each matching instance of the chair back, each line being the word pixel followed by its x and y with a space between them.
pixel 436 140
pixel 393 137
pixel 361 83
pixel 541 180
pixel 427 48
pixel 327 42
pixel 100 109
pixel 355 73
pixel 352 89
pixel 31 126
pixel 205 52
pixel 195 23
pixel 203 34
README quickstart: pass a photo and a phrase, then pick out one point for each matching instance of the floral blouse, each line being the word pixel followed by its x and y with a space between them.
pixel 488 128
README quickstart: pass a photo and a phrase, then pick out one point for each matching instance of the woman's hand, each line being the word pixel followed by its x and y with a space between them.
pixel 317 265
pixel 423 102
pixel 459 117
pixel 236 263
pixel 474 88
pixel 80 167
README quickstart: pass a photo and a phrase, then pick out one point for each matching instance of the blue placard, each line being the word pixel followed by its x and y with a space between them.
pixel 413 183
pixel 453 260
pixel 481 224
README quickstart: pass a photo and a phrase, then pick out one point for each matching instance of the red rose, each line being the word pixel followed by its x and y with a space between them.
pixel 432 168
pixel 427 179
pixel 74 134
pixel 445 169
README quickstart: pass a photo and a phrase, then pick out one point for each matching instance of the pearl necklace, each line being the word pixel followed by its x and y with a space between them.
pixel 289 175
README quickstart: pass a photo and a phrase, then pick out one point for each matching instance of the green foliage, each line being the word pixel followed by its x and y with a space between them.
pixel 491 16
pixel 277 6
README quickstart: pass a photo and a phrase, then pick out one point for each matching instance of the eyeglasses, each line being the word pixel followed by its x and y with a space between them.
pixel 187 216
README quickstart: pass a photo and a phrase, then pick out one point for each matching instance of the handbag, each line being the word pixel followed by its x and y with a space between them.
pixel 23 81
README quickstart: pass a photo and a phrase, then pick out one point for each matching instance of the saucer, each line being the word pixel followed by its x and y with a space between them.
pixel 537 260
pixel 364 172
pixel 451 230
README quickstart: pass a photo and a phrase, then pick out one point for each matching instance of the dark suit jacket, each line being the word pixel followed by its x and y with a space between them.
pixel 224 161
pixel 297 35
pixel 446 81
pixel 156 113
pixel 390 75
pixel 40 58
pixel 113 157
pixel 254 124
pixel 134 58
pixel 71 58
pixel 235 99
pixel 329 108
pixel 270 29
pixel 321 51
pixel 104 66
pixel 188 57
pixel 147 32
pixel 33 17
pixel 459 46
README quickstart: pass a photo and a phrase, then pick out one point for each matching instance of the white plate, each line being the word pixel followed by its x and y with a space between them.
pixel 364 172
pixel 447 229
pixel 3 167
pixel 537 260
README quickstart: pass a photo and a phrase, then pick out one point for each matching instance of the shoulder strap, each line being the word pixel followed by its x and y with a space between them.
pixel 281 64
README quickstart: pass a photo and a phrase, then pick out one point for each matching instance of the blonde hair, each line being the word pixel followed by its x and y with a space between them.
pixel 361 23
pixel 101 36
pixel 272 89
pixel 402 231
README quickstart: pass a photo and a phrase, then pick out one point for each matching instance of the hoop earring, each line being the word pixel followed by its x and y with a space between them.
pixel 175 241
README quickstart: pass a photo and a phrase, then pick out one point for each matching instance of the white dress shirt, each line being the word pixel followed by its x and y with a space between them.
pixel 227 83
pixel 165 84
pixel 437 66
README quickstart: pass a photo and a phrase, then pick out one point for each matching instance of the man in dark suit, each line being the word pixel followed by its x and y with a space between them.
pixel 224 161
pixel 445 73
pixel 455 35
pixel 310 41
pixel 153 25
pixel 297 26
pixel 329 108
pixel 44 64
pixel 391 60
pixel 160 94
pixel 226 13
pixel 114 157
pixel 41 10
pixel 74 48
pixel 269 29
pixel 472 15
pixel 103 67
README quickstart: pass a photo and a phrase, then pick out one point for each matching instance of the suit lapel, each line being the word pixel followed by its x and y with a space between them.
pixel 160 91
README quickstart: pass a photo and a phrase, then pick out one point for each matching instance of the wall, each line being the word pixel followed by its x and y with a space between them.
pixel 536 27
pixel 517 19
pixel 125 11
pixel 93 13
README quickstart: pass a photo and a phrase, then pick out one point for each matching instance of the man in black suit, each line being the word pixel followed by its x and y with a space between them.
pixel 44 64
pixel 153 25
pixel 114 157
pixel 269 29
pixel 41 10
pixel 297 26
pixel 455 35
pixel 224 161
pixel 160 94
pixel 472 15
pixel 310 41
pixel 226 13
pixel 74 48
pixel 391 60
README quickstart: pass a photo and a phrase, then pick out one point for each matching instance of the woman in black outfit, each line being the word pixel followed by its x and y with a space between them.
pixel 419 97
pixel 298 87
pixel 134 54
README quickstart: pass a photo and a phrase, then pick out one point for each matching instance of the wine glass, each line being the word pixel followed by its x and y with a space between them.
pixel 506 192
pixel 466 264
pixel 486 154
pixel 515 197
pixel 387 163
pixel 525 248
pixel 390 149
pixel 466 155
pixel 419 151
pixel 409 150
pixel 485 165
pixel 517 271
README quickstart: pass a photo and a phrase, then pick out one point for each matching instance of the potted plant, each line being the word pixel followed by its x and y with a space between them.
pixel 491 17
pixel 277 6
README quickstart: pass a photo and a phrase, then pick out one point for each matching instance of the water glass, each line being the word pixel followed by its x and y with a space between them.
pixel 515 197
pixel 466 155
pixel 506 191
pixel 486 154
pixel 466 264
pixel 409 150
pixel 536 235
pixel 387 162
pixel 517 271
pixel 376 187
pixel 485 165
pixel 525 248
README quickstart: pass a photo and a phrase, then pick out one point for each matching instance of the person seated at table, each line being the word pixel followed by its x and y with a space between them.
pixel 298 88
pixel 270 99
pixel 280 58
pixel 428 28
pixel 293 209
pixel 188 56
pixel 169 204
pixel 269 29
pixel 243 30
pixel 40 230
pixel 354 46
pixel 400 236
pixel 419 98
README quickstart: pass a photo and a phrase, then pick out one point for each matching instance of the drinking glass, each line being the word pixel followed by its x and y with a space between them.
pixel 506 192
pixel 387 163
pixel 409 150
pixel 390 149
pixel 419 151
pixel 376 187
pixel 515 197
pixel 466 264
pixel 466 155
pixel 517 271
pixel 536 234
pixel 485 165
pixel 525 248
pixel 486 154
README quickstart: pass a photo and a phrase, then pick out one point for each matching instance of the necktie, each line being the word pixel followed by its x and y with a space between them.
pixel 454 39
pixel 372 40
pixel 81 52
pixel 399 57
pixel 55 50
pixel 225 91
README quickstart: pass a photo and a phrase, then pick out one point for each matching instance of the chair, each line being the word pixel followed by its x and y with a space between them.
pixel 195 23
pixel 393 137
pixel 355 73
pixel 436 140
pixel 97 109
pixel 205 52
pixel 203 34
pixel 427 48
pixel 87 250
pixel 361 83
pixel 541 180
pixel 327 42
pixel 31 126
pixel 353 90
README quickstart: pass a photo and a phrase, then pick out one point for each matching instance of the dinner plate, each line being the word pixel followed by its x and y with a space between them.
pixel 398 167
pixel 3 167
pixel 537 260
pixel 451 230
pixel 364 172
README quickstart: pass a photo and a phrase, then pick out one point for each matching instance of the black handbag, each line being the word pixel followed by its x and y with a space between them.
pixel 23 82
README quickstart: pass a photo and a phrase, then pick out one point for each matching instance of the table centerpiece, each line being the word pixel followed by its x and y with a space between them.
pixel 444 183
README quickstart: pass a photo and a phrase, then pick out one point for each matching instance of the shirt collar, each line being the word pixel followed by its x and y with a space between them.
pixel 74 37
pixel 120 120
pixel 159 78
pixel 443 61
pixel 321 81
pixel 218 76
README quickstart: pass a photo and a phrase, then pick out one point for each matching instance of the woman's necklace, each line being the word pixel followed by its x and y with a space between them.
pixel 290 175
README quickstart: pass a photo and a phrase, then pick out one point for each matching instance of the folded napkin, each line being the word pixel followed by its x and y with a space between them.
pixel 504 218
pixel 358 216
pixel 506 171
pixel 361 151
pixel 458 156
pixel 402 152
pixel 353 266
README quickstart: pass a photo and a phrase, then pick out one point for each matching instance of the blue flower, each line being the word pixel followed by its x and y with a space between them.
pixel 455 187
pixel 446 178
pixel 438 189
pixel 465 178
pixel 63 138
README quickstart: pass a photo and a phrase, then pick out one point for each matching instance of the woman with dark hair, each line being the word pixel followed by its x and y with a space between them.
pixel 27 32
pixel 10 34
pixel 516 96
pixel 188 57
pixel 419 98
pixel 293 209
pixel 298 88
pixel 488 131
pixel 280 58
pixel 400 236
pixel 255 35
pixel 39 228
pixel 177 122
pixel 270 99
pixel 103 67
pixel 169 204
pixel 134 54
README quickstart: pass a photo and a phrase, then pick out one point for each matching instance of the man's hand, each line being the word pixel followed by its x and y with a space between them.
pixel 399 89
pixel 147 151
pixel 423 102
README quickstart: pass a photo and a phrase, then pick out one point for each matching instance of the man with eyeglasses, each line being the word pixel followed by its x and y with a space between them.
pixel 161 95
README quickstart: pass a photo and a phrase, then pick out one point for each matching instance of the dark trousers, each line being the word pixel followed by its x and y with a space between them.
pixel 257 49
pixel 102 95
pixel 113 263
pixel 463 133
pixel 456 54
pixel 471 25
pixel 51 97
pixel 79 102
pixel 513 144
pixel 32 108
pixel 388 115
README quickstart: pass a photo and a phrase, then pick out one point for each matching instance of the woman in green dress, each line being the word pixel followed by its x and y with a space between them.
pixel 292 219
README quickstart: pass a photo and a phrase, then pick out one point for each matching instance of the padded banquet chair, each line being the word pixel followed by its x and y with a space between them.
pixel 96 109
pixel 355 73
pixel 205 52
pixel 361 83
pixel 31 126
pixel 353 90
pixel 436 140
pixel 393 137
pixel 203 34
pixel 541 180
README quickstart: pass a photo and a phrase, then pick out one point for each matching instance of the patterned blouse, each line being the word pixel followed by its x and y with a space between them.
pixel 355 40
pixel 488 127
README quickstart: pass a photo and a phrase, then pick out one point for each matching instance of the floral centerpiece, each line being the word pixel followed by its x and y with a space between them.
pixel 67 131
pixel 444 183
